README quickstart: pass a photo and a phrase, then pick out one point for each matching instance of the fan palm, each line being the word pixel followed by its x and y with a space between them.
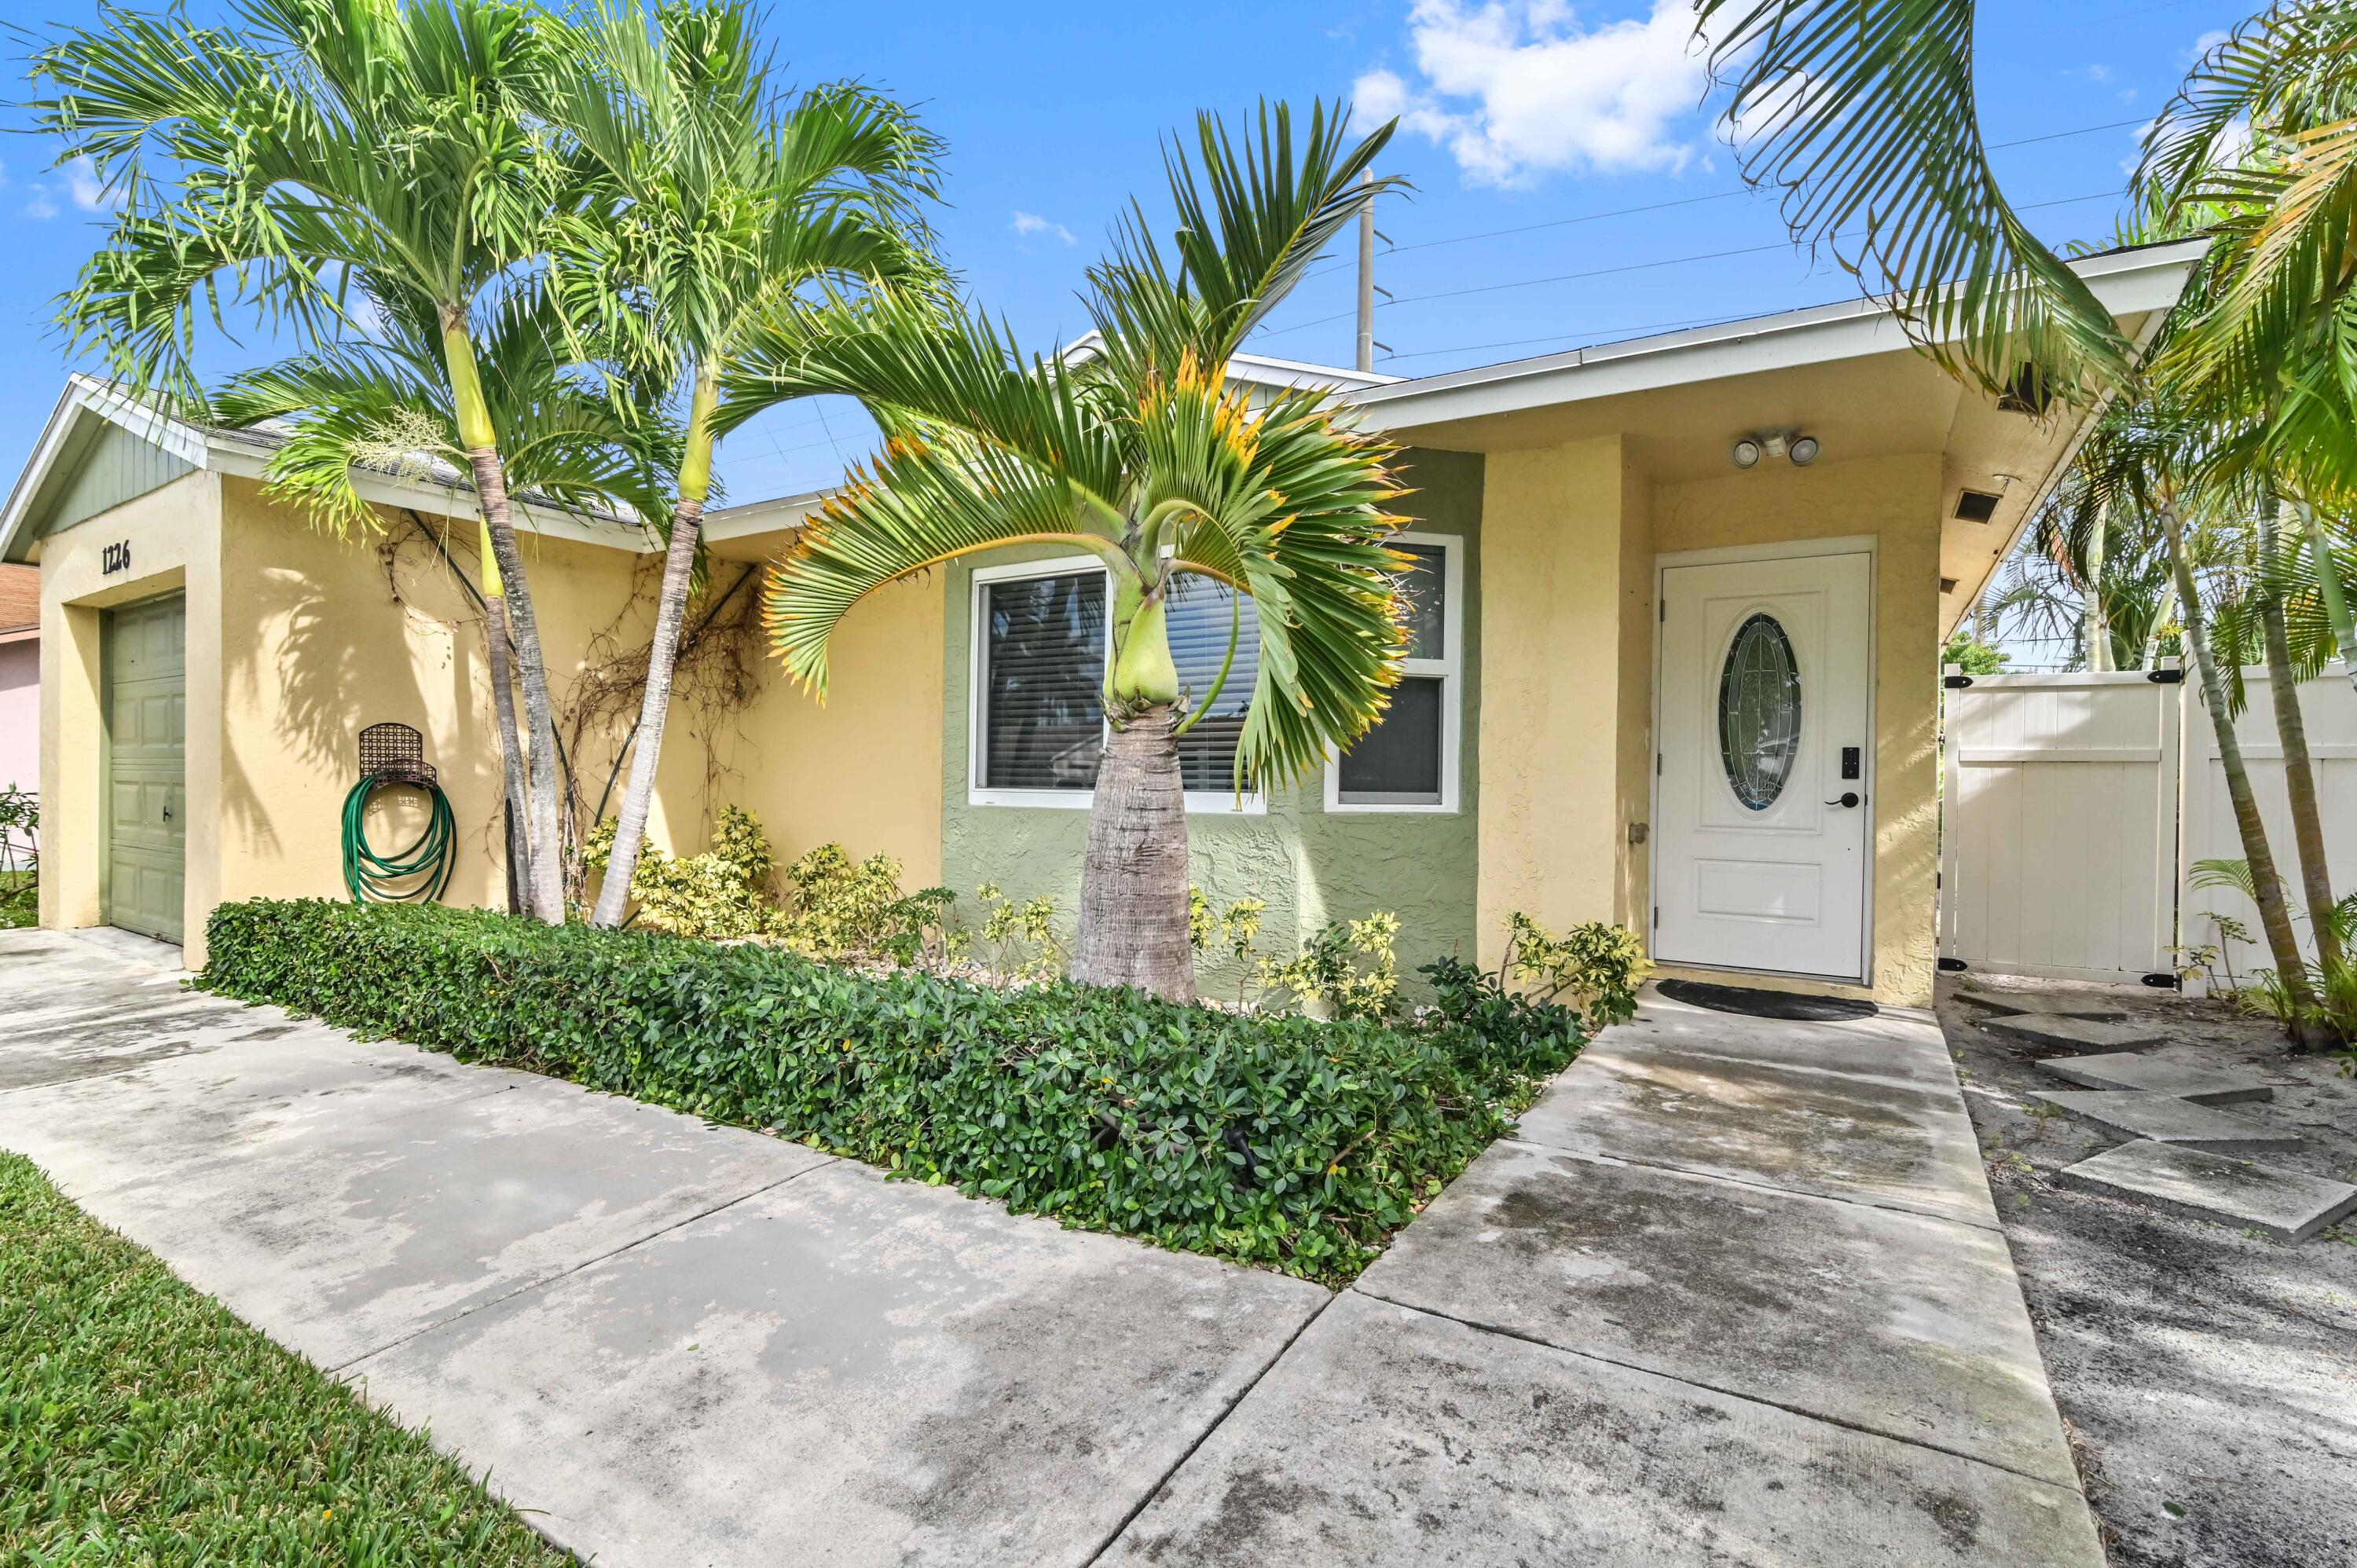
pixel 1138 452
pixel 313 144
pixel 712 205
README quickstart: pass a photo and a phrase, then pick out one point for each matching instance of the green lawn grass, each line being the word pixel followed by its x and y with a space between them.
pixel 141 1422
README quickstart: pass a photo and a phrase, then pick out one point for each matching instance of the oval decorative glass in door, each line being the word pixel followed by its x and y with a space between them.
pixel 1759 712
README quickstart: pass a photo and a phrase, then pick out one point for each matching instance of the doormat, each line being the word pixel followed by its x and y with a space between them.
pixel 1783 1004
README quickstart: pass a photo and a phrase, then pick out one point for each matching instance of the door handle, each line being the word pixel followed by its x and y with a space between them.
pixel 1849 797
pixel 167 813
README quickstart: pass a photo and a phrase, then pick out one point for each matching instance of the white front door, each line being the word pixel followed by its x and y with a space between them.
pixel 1761 814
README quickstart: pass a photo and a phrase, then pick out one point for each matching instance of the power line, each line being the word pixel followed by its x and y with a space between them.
pixel 1637 267
pixel 1683 201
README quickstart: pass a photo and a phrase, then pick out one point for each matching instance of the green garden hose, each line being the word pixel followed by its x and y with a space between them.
pixel 372 877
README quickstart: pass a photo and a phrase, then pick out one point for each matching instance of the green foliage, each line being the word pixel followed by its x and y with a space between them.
pixel 842 910
pixel 1351 969
pixel 1022 936
pixel 722 893
pixel 145 1424
pixel 1595 967
pixel 20 824
pixel 1283 1141
pixel 1973 656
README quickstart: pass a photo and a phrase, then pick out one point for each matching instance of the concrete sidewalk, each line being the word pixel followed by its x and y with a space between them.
pixel 1735 1294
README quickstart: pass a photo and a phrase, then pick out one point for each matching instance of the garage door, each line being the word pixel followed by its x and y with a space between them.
pixel 147 734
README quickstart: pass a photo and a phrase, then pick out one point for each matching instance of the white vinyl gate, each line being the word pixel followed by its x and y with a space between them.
pixel 2058 829
pixel 2327 710
pixel 2075 807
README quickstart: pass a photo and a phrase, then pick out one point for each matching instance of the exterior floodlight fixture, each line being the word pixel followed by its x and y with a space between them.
pixel 1749 449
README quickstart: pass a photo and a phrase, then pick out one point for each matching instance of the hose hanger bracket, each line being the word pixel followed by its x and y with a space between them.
pixel 395 755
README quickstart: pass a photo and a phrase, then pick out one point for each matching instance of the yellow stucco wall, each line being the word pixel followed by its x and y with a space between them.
pixel 1573 533
pixel 863 770
pixel 174 535
pixel 324 636
pixel 297 639
pixel 1552 703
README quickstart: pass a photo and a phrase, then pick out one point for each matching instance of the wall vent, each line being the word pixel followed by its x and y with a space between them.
pixel 1947 585
pixel 1976 506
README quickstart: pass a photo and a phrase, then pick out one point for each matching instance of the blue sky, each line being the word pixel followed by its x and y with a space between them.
pixel 1516 113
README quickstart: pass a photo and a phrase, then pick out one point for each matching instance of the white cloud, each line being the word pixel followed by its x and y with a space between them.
pixel 2099 73
pixel 40 210
pixel 1516 89
pixel 1026 224
pixel 2206 42
pixel 89 193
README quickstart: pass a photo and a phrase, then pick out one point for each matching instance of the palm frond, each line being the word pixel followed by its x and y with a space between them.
pixel 1861 113
pixel 918 503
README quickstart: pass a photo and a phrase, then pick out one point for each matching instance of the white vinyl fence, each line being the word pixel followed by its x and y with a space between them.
pixel 2058 825
pixel 2328 712
pixel 2075 807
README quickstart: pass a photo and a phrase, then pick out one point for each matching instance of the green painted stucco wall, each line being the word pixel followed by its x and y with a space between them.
pixel 1312 868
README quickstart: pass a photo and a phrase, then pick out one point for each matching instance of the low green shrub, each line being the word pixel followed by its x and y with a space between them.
pixel 1288 1142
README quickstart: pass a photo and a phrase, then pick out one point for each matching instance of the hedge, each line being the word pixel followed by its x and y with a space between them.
pixel 1286 1142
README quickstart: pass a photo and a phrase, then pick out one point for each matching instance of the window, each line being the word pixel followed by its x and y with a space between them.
pixel 1040 652
pixel 1408 761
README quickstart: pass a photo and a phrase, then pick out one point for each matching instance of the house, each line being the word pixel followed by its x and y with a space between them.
pixel 20 678
pixel 1676 608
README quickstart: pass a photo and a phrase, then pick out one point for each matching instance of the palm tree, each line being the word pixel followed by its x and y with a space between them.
pixel 711 206
pixel 381 401
pixel 320 143
pixel 1138 452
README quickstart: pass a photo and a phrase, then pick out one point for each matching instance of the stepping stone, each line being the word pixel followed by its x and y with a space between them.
pixel 2074 1034
pixel 2287 1204
pixel 2044 1005
pixel 2165 1119
pixel 2179 1080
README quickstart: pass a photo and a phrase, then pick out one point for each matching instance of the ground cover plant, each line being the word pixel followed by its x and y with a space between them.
pixel 141 1422
pixel 1292 1142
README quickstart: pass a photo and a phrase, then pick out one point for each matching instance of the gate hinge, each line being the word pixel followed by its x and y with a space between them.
pixel 2164 677
pixel 1954 965
pixel 1956 682
pixel 2164 983
pixel 1657 917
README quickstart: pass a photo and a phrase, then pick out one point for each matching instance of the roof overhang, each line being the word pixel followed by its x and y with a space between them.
pixel 2130 284
pixel 87 403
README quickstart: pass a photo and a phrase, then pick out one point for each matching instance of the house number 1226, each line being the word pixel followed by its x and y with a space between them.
pixel 115 558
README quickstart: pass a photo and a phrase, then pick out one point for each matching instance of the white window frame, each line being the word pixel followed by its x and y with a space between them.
pixel 1199 803
pixel 1450 668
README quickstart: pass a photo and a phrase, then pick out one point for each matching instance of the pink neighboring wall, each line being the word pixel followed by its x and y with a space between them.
pixel 20 713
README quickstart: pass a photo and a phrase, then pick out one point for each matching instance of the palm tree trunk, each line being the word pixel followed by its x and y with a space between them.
pixel 2274 916
pixel 1134 879
pixel 654 706
pixel 481 443
pixel 495 634
pixel 2336 597
pixel 662 654
pixel 2291 734
pixel 539 714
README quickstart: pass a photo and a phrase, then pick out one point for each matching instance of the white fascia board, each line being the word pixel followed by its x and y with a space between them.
pixel 227 455
pixel 68 412
pixel 2130 284
pixel 764 517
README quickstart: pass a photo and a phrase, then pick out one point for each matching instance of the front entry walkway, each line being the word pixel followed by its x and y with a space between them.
pixel 1734 1294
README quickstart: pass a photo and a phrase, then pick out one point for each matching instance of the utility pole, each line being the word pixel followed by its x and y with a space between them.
pixel 1366 361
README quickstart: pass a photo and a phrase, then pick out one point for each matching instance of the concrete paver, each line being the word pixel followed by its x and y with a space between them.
pixel 2157 1075
pixel 2289 1206
pixel 2074 1034
pixel 1876 1140
pixel 1896 1324
pixel 2165 1119
pixel 892 1373
pixel 1390 1437
pixel 1746 1307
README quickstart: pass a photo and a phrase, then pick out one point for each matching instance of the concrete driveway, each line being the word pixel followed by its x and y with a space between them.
pixel 1735 1294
